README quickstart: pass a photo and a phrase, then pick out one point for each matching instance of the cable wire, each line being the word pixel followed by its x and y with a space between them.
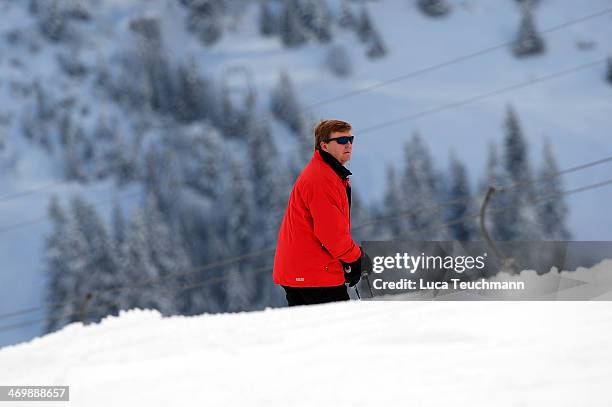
pixel 255 254
pixel 380 84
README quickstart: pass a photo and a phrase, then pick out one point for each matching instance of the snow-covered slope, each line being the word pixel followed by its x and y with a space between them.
pixel 357 353
pixel 352 354
pixel 573 110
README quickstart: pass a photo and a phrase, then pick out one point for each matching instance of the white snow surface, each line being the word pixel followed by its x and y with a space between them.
pixel 573 110
pixel 357 353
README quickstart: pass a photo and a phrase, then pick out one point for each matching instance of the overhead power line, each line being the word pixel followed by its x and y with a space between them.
pixel 370 88
pixel 466 199
pixel 454 61
pixel 219 278
pixel 258 253
pixel 481 96
pixel 408 117
pixel 255 254
pixel 104 304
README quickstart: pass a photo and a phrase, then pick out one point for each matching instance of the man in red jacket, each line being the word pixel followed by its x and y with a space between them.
pixel 315 249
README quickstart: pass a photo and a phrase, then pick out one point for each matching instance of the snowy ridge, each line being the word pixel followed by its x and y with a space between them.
pixel 572 111
pixel 343 354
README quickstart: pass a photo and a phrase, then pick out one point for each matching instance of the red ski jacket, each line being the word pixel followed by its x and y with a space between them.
pixel 316 231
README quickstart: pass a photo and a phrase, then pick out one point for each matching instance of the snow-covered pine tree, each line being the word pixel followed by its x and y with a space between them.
pixel 159 86
pixel 347 19
pixel 233 118
pixel 460 194
pixel 494 176
pixel 59 287
pixel 609 70
pixel 552 214
pixel 270 182
pixel 135 267
pixel 519 219
pixel 118 225
pixel 420 191
pixel 73 154
pixel 338 61
pixel 284 104
pixel 240 283
pixel 52 22
pixel 434 8
pixel 316 18
pixel 375 46
pixel 108 159
pixel 192 93
pixel 269 179
pixel 528 41
pixel 393 204
pixel 206 20
pixel 268 23
pixel 292 32
pixel 167 256
pixel 92 263
pixel 516 159
pixel 364 25
pixel 127 168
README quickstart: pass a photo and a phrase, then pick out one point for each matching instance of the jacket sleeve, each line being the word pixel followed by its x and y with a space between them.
pixel 331 226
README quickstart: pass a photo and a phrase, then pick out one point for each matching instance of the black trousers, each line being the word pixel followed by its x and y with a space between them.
pixel 315 295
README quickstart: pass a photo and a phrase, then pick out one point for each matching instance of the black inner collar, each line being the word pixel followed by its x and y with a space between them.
pixel 338 168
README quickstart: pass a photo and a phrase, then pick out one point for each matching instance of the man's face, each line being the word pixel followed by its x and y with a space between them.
pixel 341 152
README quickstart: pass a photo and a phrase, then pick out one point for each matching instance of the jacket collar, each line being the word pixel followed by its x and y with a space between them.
pixel 338 168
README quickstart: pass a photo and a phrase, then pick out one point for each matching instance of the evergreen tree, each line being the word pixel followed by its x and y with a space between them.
pixel 192 96
pixel 364 25
pixel 59 287
pixel 434 8
pixel 609 65
pixel 135 267
pixel 53 21
pixel 118 222
pixel 284 104
pixel 339 62
pixel 167 256
pixel 494 177
pixel 239 286
pixel 91 264
pixel 460 194
pixel 73 163
pixel 233 119
pixel 528 41
pixel 420 191
pixel 321 21
pixel 126 169
pixel 290 25
pixel 159 88
pixel 375 47
pixel 347 19
pixel 552 214
pixel 519 219
pixel 395 224
pixel 205 19
pixel 268 24
pixel 270 184
pixel 108 159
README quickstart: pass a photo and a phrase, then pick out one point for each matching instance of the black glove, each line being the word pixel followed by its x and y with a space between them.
pixel 352 271
pixel 360 266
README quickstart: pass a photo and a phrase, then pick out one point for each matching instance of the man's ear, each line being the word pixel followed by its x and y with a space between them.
pixel 323 146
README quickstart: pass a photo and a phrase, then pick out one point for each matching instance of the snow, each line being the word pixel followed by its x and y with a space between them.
pixel 358 353
pixel 573 111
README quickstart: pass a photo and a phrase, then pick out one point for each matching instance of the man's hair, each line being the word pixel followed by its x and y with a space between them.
pixel 325 128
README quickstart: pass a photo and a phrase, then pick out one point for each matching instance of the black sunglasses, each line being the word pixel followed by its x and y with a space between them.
pixel 342 140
